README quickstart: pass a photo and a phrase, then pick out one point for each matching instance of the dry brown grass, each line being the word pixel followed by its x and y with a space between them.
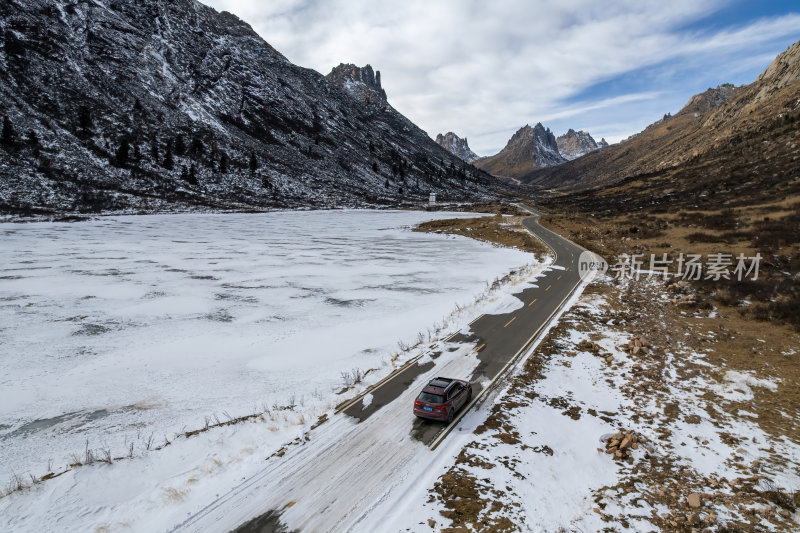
pixel 500 230
pixel 729 342
pixel 471 504
pixel 771 229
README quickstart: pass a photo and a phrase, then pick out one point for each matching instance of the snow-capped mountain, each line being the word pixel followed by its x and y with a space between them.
pixel 574 144
pixel 146 105
pixel 457 146
pixel 529 148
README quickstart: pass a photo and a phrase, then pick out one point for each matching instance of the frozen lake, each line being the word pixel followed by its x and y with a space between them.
pixel 124 327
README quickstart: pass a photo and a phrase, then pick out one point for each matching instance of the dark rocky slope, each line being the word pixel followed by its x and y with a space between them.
pixel 153 105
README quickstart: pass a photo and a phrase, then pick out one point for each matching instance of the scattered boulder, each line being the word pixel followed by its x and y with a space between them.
pixel 588 346
pixel 680 287
pixel 637 345
pixel 683 293
pixel 620 444
pixel 685 299
pixel 693 500
pixel 595 349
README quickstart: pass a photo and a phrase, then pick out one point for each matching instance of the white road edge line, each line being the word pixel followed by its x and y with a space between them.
pixel 375 386
pixel 446 431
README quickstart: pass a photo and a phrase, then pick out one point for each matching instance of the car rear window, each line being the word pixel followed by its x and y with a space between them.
pixel 432 398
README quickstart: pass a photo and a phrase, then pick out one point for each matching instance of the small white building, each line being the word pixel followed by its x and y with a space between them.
pixel 432 199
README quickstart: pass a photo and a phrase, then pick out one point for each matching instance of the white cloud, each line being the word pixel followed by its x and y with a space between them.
pixel 482 69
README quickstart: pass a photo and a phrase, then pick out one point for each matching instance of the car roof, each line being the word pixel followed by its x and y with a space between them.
pixel 439 385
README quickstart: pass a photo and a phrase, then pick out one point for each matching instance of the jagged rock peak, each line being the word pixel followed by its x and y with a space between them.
pixel 543 140
pixel 574 144
pixel 784 69
pixel 456 146
pixel 538 143
pixel 711 98
pixel 362 83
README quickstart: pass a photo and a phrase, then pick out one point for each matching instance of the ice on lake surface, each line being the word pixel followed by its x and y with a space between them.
pixel 129 326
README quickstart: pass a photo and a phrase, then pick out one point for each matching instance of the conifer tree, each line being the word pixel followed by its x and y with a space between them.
pixel 9 135
pixel 123 151
pixel 253 163
pixel 168 162
pixel 180 146
pixel 85 120
pixel 197 146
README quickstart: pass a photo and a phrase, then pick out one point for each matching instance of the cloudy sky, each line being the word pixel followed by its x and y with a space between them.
pixel 484 69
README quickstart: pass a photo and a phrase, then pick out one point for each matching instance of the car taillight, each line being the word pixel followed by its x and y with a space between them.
pixel 417 403
pixel 440 407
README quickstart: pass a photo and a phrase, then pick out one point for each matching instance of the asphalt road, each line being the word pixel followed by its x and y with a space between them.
pixel 324 487
pixel 498 339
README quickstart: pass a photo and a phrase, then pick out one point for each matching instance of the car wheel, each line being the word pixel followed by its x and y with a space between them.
pixel 450 416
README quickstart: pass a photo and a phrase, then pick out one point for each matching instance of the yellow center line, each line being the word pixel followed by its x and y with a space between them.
pixel 548 287
pixel 509 322
pixel 559 277
pixel 533 302
pixel 479 348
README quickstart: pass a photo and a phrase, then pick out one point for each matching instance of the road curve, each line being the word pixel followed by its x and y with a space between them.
pixel 333 480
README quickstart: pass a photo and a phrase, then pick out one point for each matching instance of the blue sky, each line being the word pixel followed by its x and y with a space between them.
pixel 484 69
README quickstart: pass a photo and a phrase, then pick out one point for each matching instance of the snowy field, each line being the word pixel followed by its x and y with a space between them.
pixel 120 333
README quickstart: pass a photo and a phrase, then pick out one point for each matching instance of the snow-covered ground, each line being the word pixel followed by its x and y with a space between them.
pixel 542 466
pixel 119 334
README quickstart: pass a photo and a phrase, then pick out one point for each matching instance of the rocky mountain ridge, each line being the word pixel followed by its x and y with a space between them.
pixel 710 99
pixel 728 146
pixel 142 106
pixel 456 146
pixel 529 148
pixel 575 144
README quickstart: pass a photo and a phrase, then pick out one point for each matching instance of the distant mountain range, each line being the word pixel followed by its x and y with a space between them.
pixel 727 146
pixel 154 105
pixel 536 147
pixel 528 148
